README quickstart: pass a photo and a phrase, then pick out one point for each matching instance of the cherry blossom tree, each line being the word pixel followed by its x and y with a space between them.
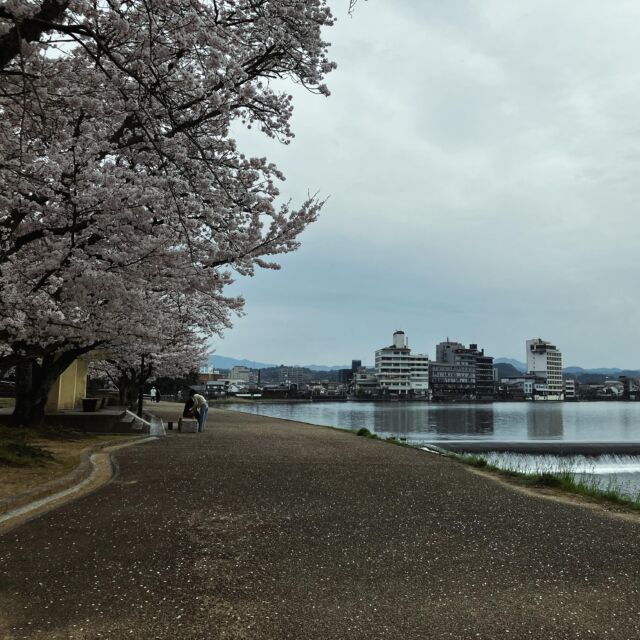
pixel 121 184
pixel 130 365
pixel 165 328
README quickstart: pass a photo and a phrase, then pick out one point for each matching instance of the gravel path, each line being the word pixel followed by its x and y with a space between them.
pixel 265 529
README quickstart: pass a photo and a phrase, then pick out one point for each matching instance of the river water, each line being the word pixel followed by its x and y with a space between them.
pixel 420 423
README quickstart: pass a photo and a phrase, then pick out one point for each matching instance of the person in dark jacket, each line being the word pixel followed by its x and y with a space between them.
pixel 188 408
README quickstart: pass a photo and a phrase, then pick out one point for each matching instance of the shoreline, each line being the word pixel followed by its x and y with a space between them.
pixel 533 447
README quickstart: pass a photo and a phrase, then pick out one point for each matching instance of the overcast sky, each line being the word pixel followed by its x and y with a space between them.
pixel 482 160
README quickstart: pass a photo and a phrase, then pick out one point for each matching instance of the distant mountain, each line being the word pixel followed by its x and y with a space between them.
pixel 581 374
pixel 222 362
pixel 520 366
pixel 598 376
pixel 506 370
pixel 614 373
pixel 321 367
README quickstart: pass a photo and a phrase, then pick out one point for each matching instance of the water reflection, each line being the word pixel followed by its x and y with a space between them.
pixel 508 422
pixel 463 421
pixel 545 423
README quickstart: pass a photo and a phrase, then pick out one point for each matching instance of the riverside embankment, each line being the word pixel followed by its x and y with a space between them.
pixel 261 528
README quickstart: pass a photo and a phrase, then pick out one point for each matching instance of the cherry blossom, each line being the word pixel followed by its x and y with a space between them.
pixel 123 194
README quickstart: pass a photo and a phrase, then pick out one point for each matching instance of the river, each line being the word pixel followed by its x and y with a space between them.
pixel 421 423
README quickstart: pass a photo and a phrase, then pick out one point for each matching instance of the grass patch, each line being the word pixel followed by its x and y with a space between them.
pixel 21 454
pixel 17 448
pixel 6 403
pixel 32 457
pixel 30 447
pixel 563 480
pixel 476 461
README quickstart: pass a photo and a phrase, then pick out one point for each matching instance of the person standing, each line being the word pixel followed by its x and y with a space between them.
pixel 152 393
pixel 201 408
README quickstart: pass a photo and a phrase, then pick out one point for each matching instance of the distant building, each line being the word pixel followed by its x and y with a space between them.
pixel 570 389
pixel 461 372
pixel 345 376
pixel 209 375
pixel 292 375
pixel 241 373
pixel 451 381
pixel 401 373
pixel 221 387
pixel 511 388
pixel 544 360
pixel 535 387
pixel 365 384
pixel 631 388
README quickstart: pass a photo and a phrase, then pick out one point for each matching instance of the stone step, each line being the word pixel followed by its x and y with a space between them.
pixel 188 425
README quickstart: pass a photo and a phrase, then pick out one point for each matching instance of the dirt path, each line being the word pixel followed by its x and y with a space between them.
pixel 266 529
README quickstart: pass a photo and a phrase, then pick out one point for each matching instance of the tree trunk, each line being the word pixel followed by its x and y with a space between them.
pixel 123 390
pixel 127 388
pixel 34 380
pixel 130 394
pixel 141 386
pixel 24 389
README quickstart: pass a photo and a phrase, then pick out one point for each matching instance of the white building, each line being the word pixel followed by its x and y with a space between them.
pixel 570 389
pixel 401 372
pixel 242 374
pixel 365 384
pixel 222 387
pixel 544 360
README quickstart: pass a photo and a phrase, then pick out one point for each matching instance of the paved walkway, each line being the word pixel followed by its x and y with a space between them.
pixel 261 529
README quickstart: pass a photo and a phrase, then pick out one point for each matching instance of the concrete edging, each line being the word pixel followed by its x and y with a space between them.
pixel 95 469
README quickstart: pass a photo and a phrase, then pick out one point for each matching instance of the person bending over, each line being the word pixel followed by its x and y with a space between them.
pixel 201 408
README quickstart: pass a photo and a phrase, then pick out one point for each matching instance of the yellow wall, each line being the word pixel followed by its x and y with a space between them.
pixel 69 389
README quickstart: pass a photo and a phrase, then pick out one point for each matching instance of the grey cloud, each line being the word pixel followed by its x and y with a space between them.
pixel 482 160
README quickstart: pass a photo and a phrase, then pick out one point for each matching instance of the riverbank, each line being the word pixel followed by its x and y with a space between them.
pixel 267 529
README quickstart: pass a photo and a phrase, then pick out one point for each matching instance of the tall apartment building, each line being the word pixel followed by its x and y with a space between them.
pixel 544 360
pixel 240 373
pixel 452 381
pixel 401 372
pixel 461 372
pixel 292 375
